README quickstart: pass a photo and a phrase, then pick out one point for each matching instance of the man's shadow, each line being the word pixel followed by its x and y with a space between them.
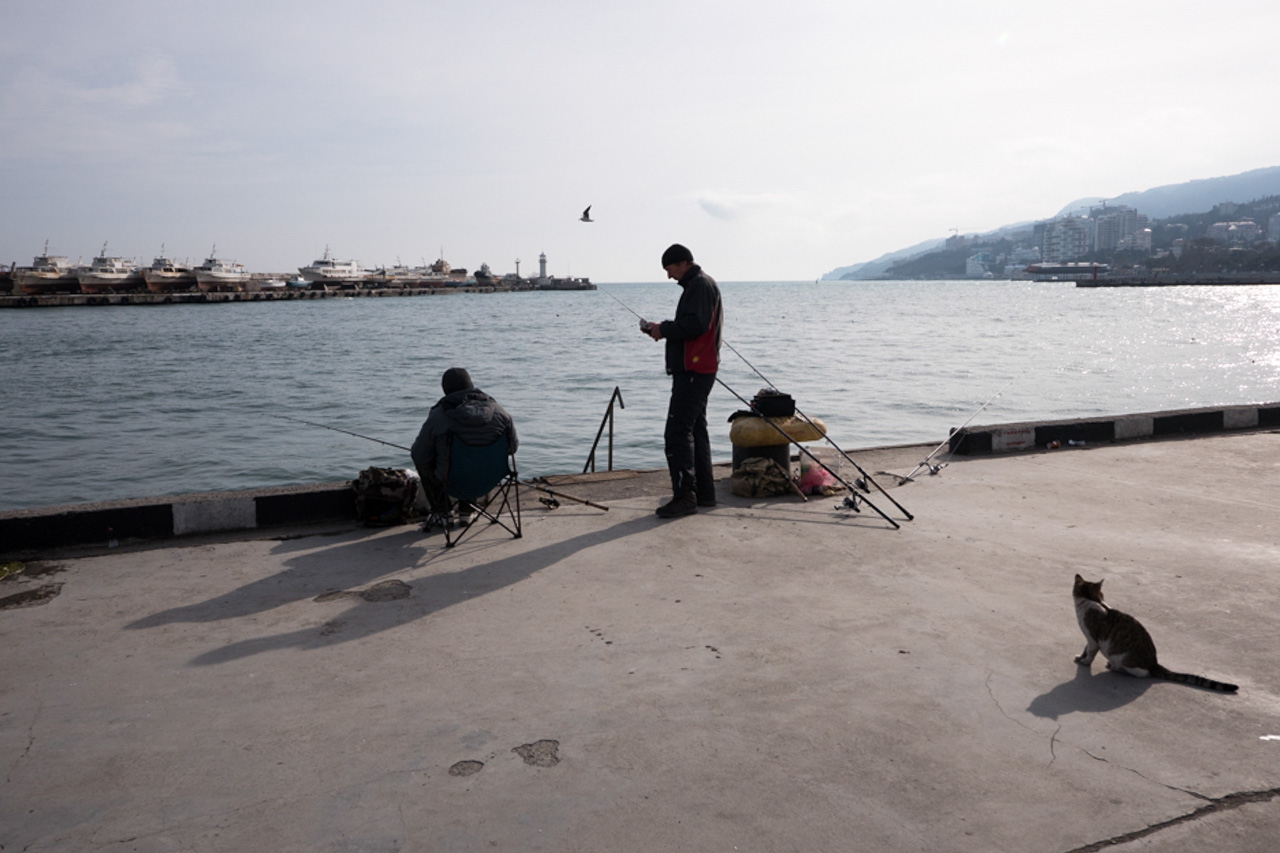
pixel 350 565
pixel 1089 693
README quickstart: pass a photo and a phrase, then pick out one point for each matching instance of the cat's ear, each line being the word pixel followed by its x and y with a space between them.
pixel 1079 579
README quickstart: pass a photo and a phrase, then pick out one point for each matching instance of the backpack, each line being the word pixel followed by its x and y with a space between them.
pixel 385 496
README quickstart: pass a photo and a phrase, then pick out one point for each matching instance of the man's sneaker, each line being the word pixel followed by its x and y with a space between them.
pixel 708 500
pixel 680 505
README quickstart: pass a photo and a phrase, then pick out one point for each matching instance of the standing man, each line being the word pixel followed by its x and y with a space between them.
pixel 693 357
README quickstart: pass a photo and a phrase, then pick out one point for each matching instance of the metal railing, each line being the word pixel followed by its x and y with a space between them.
pixel 607 421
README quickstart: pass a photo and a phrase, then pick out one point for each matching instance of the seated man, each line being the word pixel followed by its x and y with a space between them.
pixel 464 411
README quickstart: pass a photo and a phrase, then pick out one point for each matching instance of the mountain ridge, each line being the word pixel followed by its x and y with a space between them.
pixel 1195 196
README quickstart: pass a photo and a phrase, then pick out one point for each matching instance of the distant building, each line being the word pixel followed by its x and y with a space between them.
pixel 1025 255
pixel 1273 228
pixel 1139 242
pixel 1066 239
pixel 1117 228
pixel 1242 233
pixel 978 266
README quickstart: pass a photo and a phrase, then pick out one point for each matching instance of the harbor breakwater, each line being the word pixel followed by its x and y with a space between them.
pixel 31 533
pixel 282 294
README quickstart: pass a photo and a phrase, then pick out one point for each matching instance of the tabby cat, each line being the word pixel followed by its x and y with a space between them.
pixel 1123 641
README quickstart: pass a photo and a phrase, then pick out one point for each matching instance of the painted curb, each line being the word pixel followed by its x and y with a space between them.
pixel 176 515
pixel 1012 438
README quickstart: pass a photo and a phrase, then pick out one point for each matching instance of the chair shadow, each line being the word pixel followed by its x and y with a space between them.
pixel 356 563
pixel 1089 693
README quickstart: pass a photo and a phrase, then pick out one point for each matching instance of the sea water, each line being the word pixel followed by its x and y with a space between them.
pixel 113 402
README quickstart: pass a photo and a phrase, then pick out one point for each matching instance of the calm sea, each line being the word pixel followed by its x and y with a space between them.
pixel 136 401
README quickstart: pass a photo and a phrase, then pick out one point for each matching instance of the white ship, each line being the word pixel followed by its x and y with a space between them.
pixel 47 274
pixel 110 274
pixel 166 275
pixel 330 270
pixel 218 274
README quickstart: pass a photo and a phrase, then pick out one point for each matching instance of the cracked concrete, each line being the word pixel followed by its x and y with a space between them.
pixel 1215 806
pixel 768 675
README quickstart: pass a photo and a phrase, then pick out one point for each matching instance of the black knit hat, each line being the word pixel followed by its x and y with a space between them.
pixel 676 253
pixel 456 379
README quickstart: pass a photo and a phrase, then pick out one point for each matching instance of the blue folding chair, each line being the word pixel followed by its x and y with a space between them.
pixel 474 472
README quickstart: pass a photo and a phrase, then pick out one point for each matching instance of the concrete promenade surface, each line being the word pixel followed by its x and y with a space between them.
pixel 768 675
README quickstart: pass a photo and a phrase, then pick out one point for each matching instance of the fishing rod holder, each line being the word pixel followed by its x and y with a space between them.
pixel 606 421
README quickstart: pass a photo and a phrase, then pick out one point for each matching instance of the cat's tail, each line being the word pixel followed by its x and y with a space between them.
pixel 1194 680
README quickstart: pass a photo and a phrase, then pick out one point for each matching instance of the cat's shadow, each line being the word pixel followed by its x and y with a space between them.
pixel 1089 692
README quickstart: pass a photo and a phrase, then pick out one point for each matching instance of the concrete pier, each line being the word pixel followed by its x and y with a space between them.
pixel 768 675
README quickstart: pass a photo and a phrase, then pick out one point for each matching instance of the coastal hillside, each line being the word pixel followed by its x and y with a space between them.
pixel 1173 200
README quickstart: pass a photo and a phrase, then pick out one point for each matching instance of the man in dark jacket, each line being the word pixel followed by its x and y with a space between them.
pixel 464 411
pixel 693 357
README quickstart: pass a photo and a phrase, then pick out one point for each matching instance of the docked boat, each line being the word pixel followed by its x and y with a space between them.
pixel 329 270
pixel 396 276
pixel 166 275
pixel 110 274
pixel 433 275
pixel 216 274
pixel 47 274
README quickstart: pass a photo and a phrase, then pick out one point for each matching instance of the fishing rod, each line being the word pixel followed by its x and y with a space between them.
pixel 959 431
pixel 852 500
pixel 345 431
pixel 623 304
pixel 531 485
pixel 854 497
pixel 866 478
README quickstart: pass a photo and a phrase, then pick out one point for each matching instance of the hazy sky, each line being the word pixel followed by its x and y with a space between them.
pixel 778 140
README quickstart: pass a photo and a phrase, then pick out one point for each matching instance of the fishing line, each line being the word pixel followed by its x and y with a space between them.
pixel 867 478
pixel 407 450
pixel 959 431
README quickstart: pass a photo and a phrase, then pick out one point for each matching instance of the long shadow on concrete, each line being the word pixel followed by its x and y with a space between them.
pixel 311 573
pixel 1089 693
pixel 350 565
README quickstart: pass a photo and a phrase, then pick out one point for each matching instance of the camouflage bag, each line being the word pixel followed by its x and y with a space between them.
pixel 385 496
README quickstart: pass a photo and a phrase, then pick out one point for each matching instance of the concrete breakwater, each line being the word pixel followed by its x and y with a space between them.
pixel 62 300
pixel 43 529
pixel 1182 280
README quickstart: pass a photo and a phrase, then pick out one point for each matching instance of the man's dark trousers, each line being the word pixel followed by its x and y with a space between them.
pixel 688 446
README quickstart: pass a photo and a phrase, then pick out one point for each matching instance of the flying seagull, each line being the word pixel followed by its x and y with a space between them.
pixel 586 215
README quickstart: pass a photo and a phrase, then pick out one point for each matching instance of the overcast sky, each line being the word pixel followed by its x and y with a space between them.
pixel 778 140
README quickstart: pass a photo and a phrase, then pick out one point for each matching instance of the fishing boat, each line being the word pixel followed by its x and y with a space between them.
pixel 217 274
pixel 328 270
pixel 166 275
pixel 47 274
pixel 110 274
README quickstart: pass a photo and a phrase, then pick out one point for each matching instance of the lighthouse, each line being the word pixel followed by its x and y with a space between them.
pixel 542 266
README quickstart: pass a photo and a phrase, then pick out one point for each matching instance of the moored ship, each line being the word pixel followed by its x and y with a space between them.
pixel 47 274
pixel 216 274
pixel 327 270
pixel 110 274
pixel 166 275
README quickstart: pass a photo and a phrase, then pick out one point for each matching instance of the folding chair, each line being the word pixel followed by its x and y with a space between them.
pixel 474 472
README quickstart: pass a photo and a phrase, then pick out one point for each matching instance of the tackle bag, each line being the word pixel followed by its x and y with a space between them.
pixel 773 404
pixel 759 477
pixel 385 496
